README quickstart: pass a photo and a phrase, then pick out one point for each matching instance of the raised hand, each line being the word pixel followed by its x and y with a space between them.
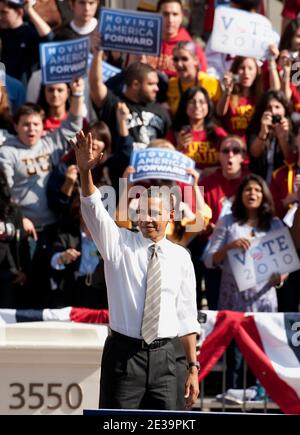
pixel 85 157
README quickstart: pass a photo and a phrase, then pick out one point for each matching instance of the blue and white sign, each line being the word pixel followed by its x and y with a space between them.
pixel 130 31
pixel 162 164
pixel 109 71
pixel 63 62
pixel 274 253
pixel 242 33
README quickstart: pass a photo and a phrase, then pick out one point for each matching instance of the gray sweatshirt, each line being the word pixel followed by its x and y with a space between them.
pixel 28 168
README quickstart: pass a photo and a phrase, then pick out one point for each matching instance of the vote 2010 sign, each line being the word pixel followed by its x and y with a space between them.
pixel 130 31
pixel 241 33
pixel 63 62
pixel 274 253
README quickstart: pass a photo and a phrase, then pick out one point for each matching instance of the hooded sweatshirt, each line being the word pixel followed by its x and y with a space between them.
pixel 28 168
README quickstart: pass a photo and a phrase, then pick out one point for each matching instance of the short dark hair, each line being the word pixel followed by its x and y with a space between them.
pixel 28 109
pixel 266 209
pixel 101 132
pixel 162 2
pixel 137 71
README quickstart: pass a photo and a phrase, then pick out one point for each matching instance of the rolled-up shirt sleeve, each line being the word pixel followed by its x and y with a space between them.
pixel 186 302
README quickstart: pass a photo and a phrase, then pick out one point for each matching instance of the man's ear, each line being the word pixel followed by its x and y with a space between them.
pixel 135 84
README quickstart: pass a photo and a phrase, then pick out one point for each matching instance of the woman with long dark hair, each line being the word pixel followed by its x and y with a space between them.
pixel 196 133
pixel 270 137
pixel 251 219
pixel 242 88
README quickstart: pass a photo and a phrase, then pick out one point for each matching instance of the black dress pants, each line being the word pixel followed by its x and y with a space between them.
pixel 132 374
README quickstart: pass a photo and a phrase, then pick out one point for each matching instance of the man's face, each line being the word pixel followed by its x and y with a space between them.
pixel 172 19
pixel 153 221
pixel 149 88
pixel 231 158
pixel 29 129
pixel 84 11
pixel 9 18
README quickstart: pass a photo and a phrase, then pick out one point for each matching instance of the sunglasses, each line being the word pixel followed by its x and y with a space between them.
pixel 183 59
pixel 235 150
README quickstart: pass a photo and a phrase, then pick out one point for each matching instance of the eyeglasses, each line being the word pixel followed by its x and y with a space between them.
pixel 234 150
pixel 183 59
pixel 197 102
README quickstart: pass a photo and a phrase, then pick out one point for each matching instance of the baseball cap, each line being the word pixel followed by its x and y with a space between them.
pixel 18 3
pixel 15 3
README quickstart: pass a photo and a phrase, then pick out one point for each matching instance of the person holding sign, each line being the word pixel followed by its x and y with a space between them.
pixel 147 120
pixel 148 305
pixel 251 218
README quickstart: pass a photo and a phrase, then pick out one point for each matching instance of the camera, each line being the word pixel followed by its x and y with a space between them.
pixel 276 119
pixel 236 78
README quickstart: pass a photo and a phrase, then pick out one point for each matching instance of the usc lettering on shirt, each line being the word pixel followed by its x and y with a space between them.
pixel 39 164
pixel 203 151
pixel 239 118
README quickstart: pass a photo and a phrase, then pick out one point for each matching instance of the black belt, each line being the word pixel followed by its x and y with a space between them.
pixel 159 342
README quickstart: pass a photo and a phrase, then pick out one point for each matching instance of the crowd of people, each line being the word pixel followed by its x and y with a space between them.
pixel 237 118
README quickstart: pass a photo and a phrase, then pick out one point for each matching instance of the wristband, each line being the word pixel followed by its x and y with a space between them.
pixel 193 364
pixel 77 94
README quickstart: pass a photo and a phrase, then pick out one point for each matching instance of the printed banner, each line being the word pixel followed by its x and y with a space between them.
pixel 130 31
pixel 109 71
pixel 161 164
pixel 241 33
pixel 274 253
pixel 63 62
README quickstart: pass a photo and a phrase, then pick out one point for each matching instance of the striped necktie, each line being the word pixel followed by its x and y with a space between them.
pixel 153 295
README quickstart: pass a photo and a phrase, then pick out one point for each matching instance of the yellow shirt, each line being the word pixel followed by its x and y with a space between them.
pixel 211 84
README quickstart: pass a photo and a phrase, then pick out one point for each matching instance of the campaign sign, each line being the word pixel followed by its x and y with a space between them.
pixel 109 71
pixel 130 31
pixel 162 164
pixel 273 253
pixel 242 33
pixel 63 62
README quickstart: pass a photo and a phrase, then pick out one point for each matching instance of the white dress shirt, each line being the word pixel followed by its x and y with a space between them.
pixel 126 257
